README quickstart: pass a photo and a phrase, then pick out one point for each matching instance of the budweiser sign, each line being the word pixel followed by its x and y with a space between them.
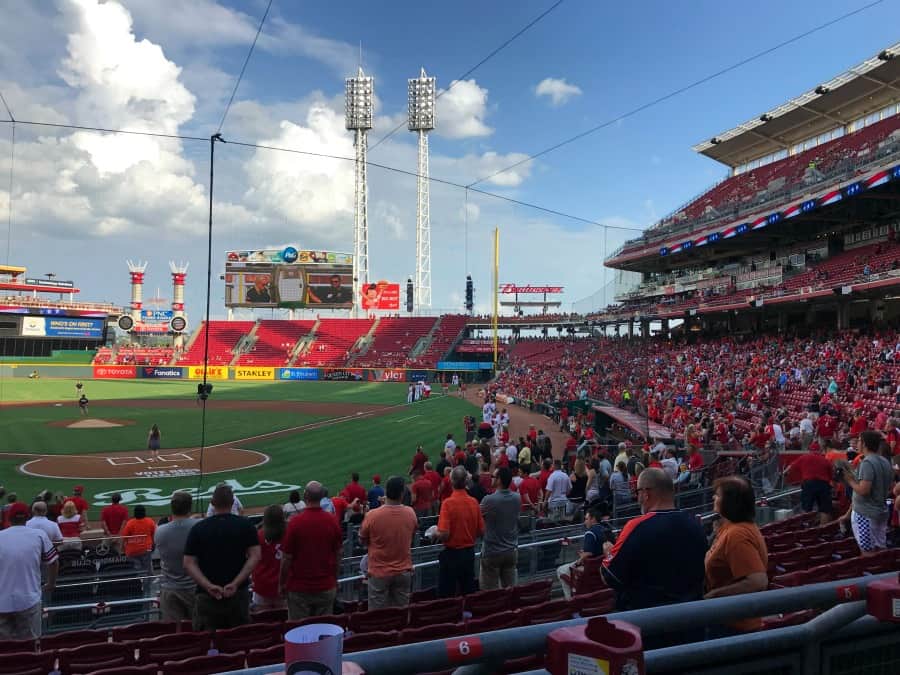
pixel 509 289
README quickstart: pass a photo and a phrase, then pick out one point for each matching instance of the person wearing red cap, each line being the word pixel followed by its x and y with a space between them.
pixel 375 494
pixel 24 551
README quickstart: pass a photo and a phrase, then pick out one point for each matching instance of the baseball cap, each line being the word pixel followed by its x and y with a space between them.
pixel 17 509
pixel 376 478
pixel 78 489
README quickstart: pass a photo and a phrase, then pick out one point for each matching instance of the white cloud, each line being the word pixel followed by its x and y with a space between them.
pixel 468 167
pixel 558 90
pixel 461 110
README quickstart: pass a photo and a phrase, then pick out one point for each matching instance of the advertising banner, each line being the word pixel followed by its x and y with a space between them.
pixel 156 315
pixel 479 349
pixel 464 365
pixel 212 373
pixel 288 277
pixel 254 373
pixel 114 372
pixel 343 374
pixel 298 374
pixel 416 375
pixel 387 375
pixel 380 295
pixel 63 327
pixel 162 372
pixel 49 283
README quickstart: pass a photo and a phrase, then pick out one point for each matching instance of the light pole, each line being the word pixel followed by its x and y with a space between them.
pixel 359 109
pixel 421 120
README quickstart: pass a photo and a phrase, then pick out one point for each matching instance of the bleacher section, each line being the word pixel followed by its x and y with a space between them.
pixel 275 341
pixel 223 338
pixel 333 341
pixel 743 189
pixel 393 340
pixel 446 335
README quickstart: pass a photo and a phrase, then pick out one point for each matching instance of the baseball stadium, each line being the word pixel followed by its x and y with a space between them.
pixel 700 474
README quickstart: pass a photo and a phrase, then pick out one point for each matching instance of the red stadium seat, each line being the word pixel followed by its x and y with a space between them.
pixel 427 632
pixel 74 638
pixel 448 610
pixel 27 663
pixel 496 621
pixel 484 603
pixel 251 636
pixel 555 610
pixel 139 631
pixel 594 604
pixel 130 670
pixel 265 657
pixel 269 616
pixel 375 640
pixel 7 646
pixel 587 578
pixel 387 619
pixel 342 620
pixel 172 647
pixel 533 593
pixel 424 595
pixel 523 665
pixel 95 657
pixel 204 665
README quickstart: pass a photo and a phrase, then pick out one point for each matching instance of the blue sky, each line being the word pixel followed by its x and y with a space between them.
pixel 110 199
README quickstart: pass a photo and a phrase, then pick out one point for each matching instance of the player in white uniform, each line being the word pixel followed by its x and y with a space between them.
pixel 410 393
pixel 486 414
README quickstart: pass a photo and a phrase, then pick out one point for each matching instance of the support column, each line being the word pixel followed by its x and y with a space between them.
pixel 665 327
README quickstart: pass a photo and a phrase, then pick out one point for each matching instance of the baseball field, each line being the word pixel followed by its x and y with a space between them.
pixel 266 438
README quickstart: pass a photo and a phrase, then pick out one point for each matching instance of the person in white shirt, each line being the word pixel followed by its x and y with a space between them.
pixel 236 507
pixel 669 464
pixel 24 551
pixel 486 412
pixel 450 445
pixel 512 452
pixel 39 521
pixel 806 430
pixel 558 484
pixel 622 457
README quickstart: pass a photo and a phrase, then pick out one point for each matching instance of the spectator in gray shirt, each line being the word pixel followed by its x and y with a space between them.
pixel 871 490
pixel 177 589
pixel 501 533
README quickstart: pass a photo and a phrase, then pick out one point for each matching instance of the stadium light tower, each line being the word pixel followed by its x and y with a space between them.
pixel 421 120
pixel 359 110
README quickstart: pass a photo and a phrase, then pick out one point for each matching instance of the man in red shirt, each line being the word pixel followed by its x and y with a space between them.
pixel 353 490
pixel 418 461
pixel 80 502
pixel 529 490
pixel 892 435
pixel 311 550
pixel 432 477
pixel 814 472
pixel 826 427
pixel 546 470
pixel 113 517
pixel 422 495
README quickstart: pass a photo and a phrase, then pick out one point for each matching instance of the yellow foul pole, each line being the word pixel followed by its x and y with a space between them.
pixel 496 275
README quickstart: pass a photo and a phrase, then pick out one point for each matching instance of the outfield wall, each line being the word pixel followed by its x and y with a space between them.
pixel 242 373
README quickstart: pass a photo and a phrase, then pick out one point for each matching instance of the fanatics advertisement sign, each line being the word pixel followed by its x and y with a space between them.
pixel 162 372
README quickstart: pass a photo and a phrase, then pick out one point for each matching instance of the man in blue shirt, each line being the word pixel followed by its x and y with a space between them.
pixel 376 492
pixel 598 540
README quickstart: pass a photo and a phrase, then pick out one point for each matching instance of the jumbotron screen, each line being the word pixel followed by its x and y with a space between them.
pixel 289 277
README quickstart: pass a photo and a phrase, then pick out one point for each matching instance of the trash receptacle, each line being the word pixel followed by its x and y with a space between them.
pixel 599 647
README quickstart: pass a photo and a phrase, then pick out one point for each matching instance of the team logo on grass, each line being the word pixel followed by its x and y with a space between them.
pixel 155 496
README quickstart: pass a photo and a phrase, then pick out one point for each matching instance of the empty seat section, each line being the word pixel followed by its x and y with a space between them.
pixel 223 338
pixel 275 341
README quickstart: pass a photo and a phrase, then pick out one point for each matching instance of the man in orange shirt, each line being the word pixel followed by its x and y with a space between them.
pixel 459 525
pixel 138 537
pixel 387 532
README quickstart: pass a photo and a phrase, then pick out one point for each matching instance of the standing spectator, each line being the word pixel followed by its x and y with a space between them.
pixel 422 495
pixel 598 540
pixel 807 430
pixel 113 517
pixel 311 553
pixel 294 505
pixel 376 492
pixel 81 504
pixel 353 490
pixel 23 551
pixel 871 487
pixel 557 490
pixel 70 521
pixel 737 561
pixel 418 461
pixel 266 573
pixel 219 555
pixel 237 509
pixel 138 538
pixel 434 478
pixel 388 533
pixel 154 438
pixel 39 521
pixel 663 533
pixel 814 471
pixel 500 511
pixel 529 491
pixel 459 525
pixel 177 590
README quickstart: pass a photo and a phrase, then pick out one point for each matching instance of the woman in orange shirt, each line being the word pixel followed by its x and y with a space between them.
pixel 738 559
pixel 138 537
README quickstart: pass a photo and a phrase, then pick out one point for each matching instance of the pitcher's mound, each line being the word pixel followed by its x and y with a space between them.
pixel 90 423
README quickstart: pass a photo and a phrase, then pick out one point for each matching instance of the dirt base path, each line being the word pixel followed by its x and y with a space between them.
pixel 519 420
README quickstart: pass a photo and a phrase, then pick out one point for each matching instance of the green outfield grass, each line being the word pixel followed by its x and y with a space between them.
pixel 382 444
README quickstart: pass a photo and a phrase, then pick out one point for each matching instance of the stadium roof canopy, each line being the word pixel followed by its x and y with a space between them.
pixel 872 85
